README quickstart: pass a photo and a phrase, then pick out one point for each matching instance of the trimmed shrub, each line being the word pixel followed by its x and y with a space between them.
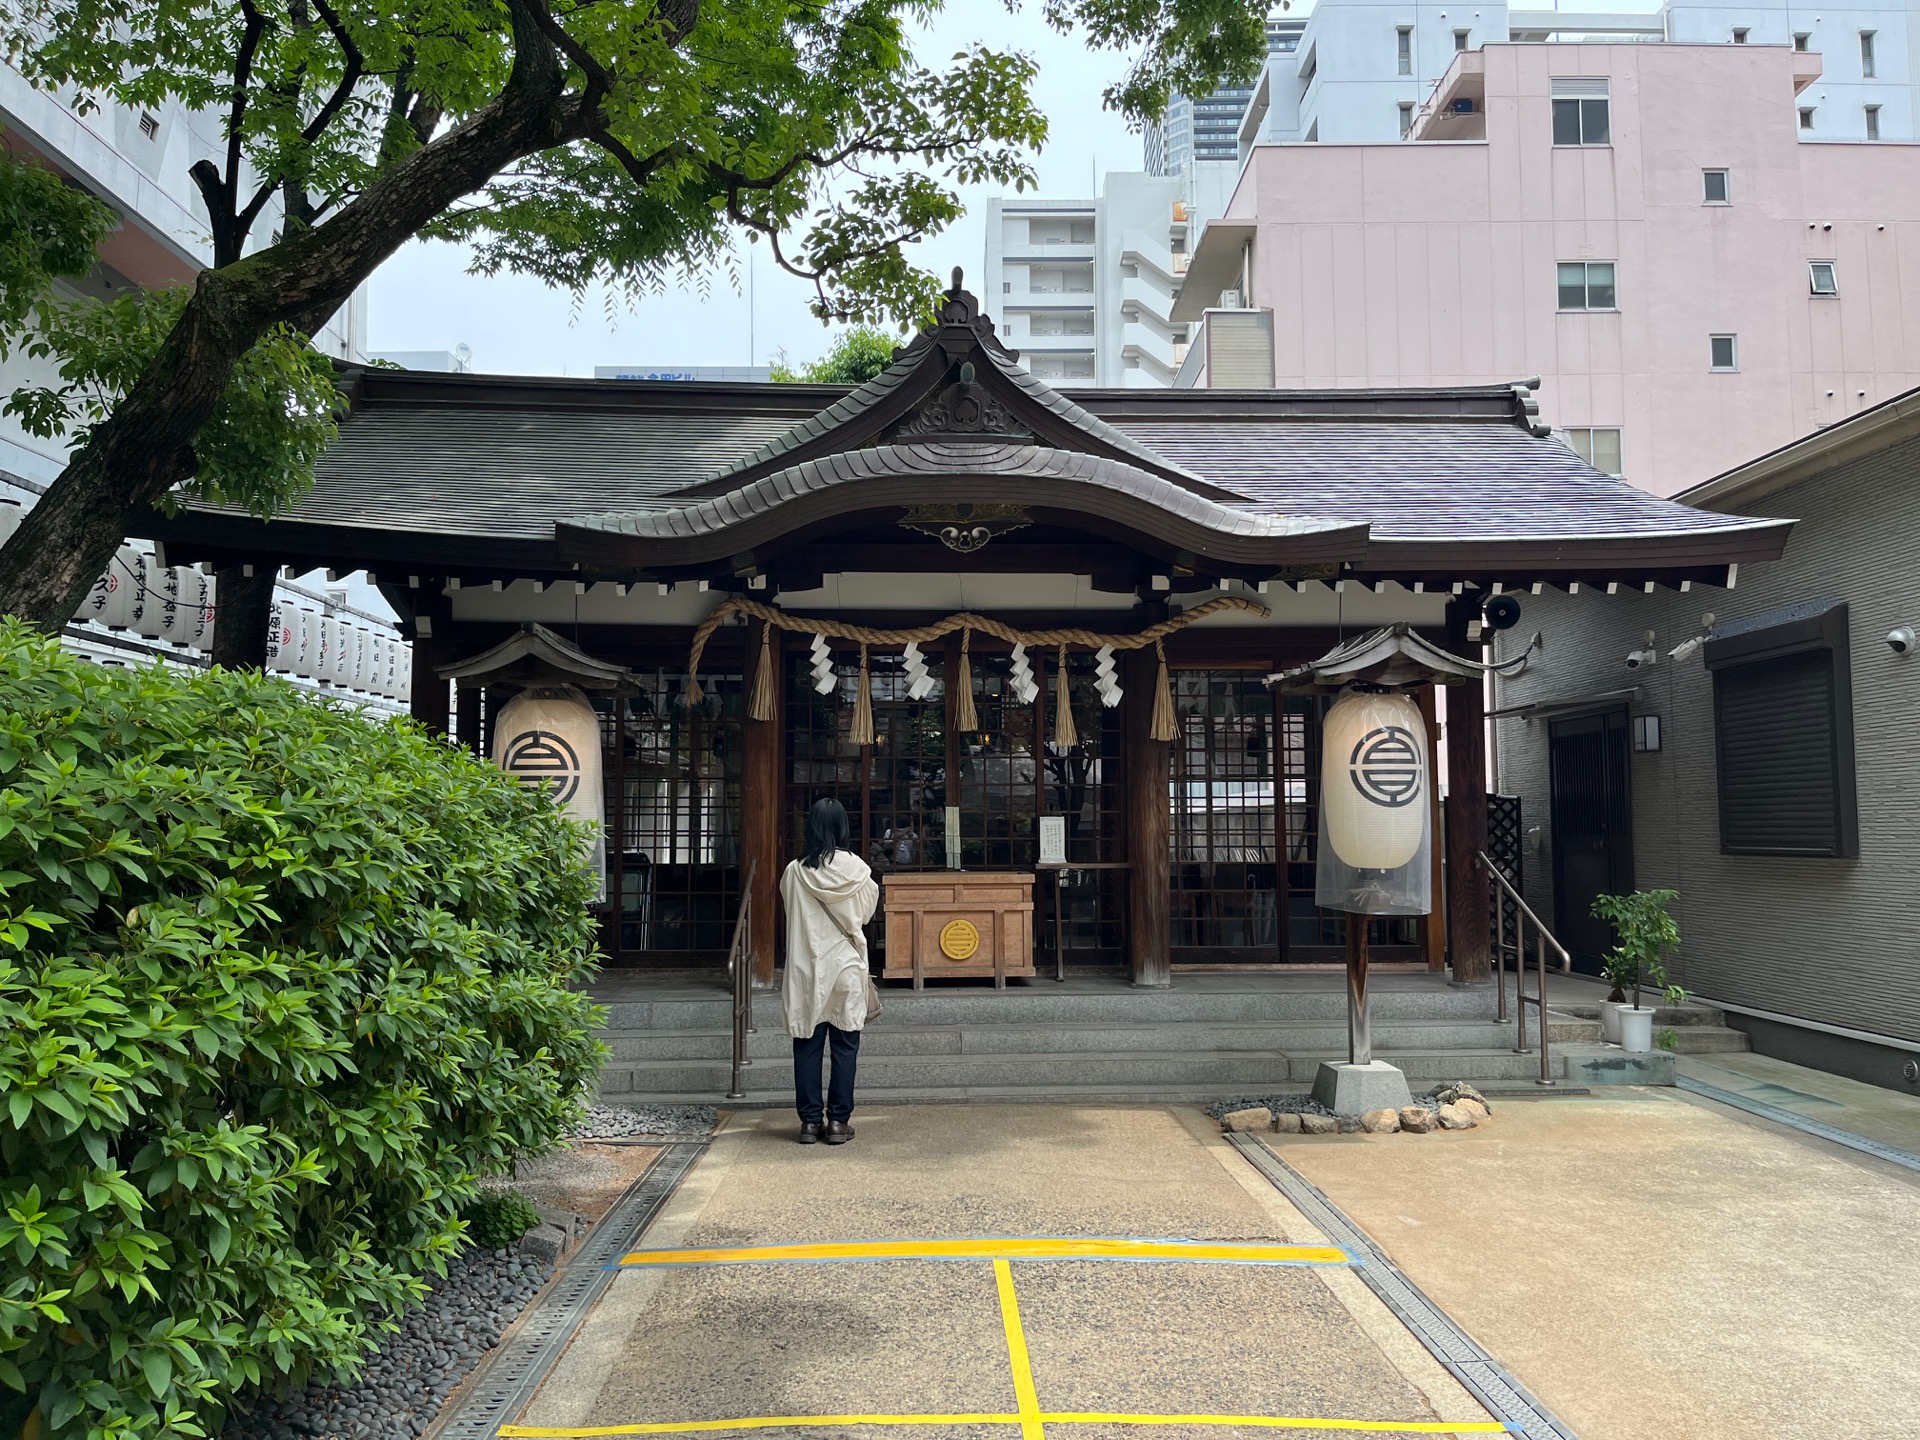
pixel 497 1218
pixel 278 984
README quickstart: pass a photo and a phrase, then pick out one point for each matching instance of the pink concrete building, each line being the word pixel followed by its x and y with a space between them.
pixel 1639 225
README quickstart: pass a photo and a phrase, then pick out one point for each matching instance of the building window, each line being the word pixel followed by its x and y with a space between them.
pixel 1403 42
pixel 1580 111
pixel 1739 34
pixel 1783 733
pixel 1800 39
pixel 1724 352
pixel 1406 118
pixel 1587 285
pixel 1873 122
pixel 1715 184
pixel 1821 277
pixel 1866 54
pixel 1806 117
pixel 1461 39
pixel 1598 446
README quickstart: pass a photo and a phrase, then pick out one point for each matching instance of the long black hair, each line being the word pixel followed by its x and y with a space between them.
pixel 826 831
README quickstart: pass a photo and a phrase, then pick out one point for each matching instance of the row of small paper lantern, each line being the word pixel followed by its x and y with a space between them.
pixel 175 604
pixel 339 652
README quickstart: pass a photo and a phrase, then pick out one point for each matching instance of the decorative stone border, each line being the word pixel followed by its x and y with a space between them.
pixel 1448 1107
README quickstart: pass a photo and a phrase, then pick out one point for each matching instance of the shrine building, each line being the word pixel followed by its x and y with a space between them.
pixel 1154 554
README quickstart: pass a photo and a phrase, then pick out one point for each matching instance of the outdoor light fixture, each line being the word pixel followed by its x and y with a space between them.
pixel 1646 734
pixel 1374 791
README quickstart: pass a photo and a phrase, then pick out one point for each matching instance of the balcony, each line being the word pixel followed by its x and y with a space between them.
pixel 1152 349
pixel 1014 252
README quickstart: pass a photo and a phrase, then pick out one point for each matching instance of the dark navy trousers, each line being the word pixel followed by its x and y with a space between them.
pixel 807 1054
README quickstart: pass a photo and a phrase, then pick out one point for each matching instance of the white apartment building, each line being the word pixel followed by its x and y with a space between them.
pixel 1084 289
pixel 137 160
pixel 1365 70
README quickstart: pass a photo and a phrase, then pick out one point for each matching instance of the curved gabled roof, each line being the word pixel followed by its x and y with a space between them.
pixel 961 343
pixel 699 529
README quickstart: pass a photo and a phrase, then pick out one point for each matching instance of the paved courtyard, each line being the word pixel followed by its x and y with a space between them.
pixel 1022 1344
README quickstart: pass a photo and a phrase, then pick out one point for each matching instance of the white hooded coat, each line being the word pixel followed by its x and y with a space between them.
pixel 827 967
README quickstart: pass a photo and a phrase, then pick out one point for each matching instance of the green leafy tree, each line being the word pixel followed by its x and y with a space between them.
pixel 855 357
pixel 625 143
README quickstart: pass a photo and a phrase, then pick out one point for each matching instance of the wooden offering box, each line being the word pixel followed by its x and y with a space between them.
pixel 958 923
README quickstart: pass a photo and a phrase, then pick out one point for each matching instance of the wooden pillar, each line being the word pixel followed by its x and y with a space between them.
pixel 1149 820
pixel 242 609
pixel 427 697
pixel 1433 925
pixel 1467 923
pixel 762 797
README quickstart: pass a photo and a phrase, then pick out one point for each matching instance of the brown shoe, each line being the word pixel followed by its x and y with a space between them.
pixel 838 1132
pixel 809 1132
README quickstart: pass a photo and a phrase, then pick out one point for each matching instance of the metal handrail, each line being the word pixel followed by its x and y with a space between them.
pixel 1543 937
pixel 740 971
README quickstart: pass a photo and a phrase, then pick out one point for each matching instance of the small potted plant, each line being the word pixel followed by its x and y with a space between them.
pixel 1645 934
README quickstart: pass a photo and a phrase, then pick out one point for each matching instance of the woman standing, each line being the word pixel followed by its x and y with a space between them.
pixel 830 894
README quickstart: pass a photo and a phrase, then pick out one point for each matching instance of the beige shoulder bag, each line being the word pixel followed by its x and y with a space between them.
pixel 853 935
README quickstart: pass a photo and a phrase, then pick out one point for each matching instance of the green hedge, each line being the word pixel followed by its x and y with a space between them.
pixel 277 983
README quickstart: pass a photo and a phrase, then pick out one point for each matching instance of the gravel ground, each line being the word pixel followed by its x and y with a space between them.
pixel 614 1122
pixel 437 1346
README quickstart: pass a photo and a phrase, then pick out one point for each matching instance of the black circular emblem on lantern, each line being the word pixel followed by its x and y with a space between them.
pixel 542 757
pixel 1385 766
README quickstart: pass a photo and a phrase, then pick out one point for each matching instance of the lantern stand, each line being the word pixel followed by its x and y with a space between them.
pixel 1374 855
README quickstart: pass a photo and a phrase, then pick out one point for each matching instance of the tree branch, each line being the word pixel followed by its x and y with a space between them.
pixel 242 74
pixel 355 67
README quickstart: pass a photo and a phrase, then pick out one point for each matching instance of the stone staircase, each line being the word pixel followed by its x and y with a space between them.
pixel 1211 1036
pixel 1697 1029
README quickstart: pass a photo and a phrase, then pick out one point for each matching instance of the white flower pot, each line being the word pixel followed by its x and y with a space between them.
pixel 1636 1028
pixel 1610 1020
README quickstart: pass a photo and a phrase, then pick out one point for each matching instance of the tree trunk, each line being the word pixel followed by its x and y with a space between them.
pixel 145 447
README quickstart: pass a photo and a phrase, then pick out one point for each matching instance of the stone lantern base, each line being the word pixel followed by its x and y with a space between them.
pixel 1355 1089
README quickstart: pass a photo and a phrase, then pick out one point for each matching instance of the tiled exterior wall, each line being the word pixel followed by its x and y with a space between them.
pixel 1837 941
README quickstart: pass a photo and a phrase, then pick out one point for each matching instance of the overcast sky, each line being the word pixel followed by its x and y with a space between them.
pixel 423 299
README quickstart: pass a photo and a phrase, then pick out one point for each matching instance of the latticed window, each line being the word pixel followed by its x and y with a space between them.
pixel 673 815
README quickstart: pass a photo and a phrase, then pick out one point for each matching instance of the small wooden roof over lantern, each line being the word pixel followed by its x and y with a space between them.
pixel 534 655
pixel 1393 657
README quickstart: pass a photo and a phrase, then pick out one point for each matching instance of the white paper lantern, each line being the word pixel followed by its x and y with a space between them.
pixel 403 674
pixel 280 637
pixel 297 658
pixel 1374 780
pixel 196 593
pixel 326 660
pixel 150 598
pixel 165 580
pixel 550 736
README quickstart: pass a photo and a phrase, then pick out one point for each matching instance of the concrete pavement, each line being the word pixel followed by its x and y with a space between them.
pixel 912 1337
pixel 1654 1265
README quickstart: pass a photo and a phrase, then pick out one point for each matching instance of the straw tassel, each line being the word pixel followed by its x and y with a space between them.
pixel 862 732
pixel 760 702
pixel 1165 726
pixel 1064 734
pixel 965 717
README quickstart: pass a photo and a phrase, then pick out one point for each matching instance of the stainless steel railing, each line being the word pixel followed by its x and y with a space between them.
pixel 1504 895
pixel 740 972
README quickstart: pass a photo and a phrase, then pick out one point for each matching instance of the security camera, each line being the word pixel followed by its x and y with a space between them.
pixel 1900 640
pixel 1685 649
pixel 1638 659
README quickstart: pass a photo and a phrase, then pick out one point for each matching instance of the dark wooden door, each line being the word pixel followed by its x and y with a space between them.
pixel 1592 828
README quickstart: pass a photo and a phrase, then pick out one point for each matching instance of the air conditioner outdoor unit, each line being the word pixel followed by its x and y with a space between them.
pixel 1229 299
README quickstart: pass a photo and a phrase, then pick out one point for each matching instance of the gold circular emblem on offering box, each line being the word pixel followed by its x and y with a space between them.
pixel 959 939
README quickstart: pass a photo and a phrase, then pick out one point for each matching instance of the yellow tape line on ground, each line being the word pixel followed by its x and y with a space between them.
pixel 1213 1252
pixel 1267 1422
pixel 1024 1395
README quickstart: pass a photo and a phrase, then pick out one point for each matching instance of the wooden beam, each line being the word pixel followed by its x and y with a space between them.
pixel 1433 925
pixel 762 797
pixel 1467 923
pixel 428 701
pixel 242 609
pixel 470 704
pixel 1148 775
